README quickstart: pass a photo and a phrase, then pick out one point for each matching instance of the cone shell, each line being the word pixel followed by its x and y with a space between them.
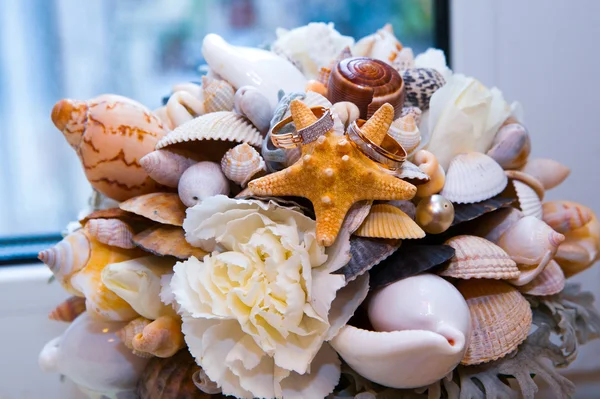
pixel 166 167
pixel 171 378
pixel 241 163
pixel 167 241
pixel 110 134
pixel 529 202
pixel 217 95
pixel 406 132
pixel 549 282
pixel 565 216
pixel 113 232
pixel 67 258
pixel 68 310
pixel 387 221
pixel 130 331
pixel 477 257
pixel 500 319
pixel 511 146
pixel 225 126
pixel 165 208
pixel 473 177
pixel 421 83
pixel 549 172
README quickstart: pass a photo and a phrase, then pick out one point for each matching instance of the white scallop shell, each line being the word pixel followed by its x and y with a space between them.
pixel 241 163
pixel 406 132
pixel 418 347
pixel 529 202
pixel 473 177
pixel 223 125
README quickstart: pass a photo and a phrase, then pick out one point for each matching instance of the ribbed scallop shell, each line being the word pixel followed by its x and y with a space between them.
pixel 67 258
pixel 130 331
pixel 473 177
pixel 529 202
pixel 387 221
pixel 420 85
pixel 223 125
pixel 68 310
pixel 406 132
pixel 113 232
pixel 549 172
pixel 529 180
pixel 241 163
pixel 565 216
pixel 549 282
pixel 217 95
pixel 477 257
pixel 500 319
pixel 167 240
pixel 165 208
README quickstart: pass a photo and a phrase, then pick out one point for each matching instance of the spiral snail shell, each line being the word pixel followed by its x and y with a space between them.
pixel 368 83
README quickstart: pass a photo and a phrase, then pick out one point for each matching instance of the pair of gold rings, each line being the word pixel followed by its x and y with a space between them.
pixel 389 153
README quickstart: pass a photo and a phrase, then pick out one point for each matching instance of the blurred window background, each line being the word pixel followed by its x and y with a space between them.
pixel 52 49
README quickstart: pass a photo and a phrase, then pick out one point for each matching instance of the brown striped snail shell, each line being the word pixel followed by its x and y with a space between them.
pixel 368 83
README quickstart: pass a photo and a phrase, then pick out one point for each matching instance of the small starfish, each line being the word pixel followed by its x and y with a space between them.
pixel 334 174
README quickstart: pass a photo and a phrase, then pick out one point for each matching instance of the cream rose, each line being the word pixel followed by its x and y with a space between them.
pixel 257 310
pixel 464 116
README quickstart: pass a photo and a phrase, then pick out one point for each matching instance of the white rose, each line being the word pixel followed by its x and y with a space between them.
pixel 257 311
pixel 464 116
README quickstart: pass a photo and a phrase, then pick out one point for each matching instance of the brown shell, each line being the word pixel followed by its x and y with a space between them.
pixel 167 240
pixel 68 310
pixel 164 208
pixel 171 378
pixel 368 83
pixel 500 319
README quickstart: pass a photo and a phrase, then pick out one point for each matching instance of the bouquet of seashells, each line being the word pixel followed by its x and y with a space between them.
pixel 322 219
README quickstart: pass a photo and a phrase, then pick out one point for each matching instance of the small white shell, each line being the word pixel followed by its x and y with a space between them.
pixel 473 177
pixel 251 103
pixel 549 172
pixel 406 132
pixel 404 60
pixel 529 202
pixel 426 324
pixel 224 125
pixel 241 163
pixel 166 167
pixel 201 181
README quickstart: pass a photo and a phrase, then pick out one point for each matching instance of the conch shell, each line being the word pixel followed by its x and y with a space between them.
pixel 110 134
pixel 166 167
pixel 413 350
pixel 241 163
pixel 137 282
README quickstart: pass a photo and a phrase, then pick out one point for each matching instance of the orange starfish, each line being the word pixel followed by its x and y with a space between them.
pixel 334 174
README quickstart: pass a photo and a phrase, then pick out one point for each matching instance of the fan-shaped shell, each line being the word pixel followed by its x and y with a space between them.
pixel 68 310
pixel 224 126
pixel 387 221
pixel 167 241
pixel 421 350
pixel 473 177
pixel 500 319
pixel 170 378
pixel 477 257
pixel 113 232
pixel 164 208
pixel 511 146
pixel 549 172
pixel 110 134
pixel 241 163
pixel 565 216
pixel 529 180
pixel 421 83
pixel 529 202
pixel 368 83
pixel 166 167
pixel 549 282
pixel 406 132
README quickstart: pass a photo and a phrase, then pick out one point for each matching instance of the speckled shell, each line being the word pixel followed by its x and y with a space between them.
pixel 549 282
pixel 473 177
pixel 165 208
pixel 171 378
pixel 110 134
pixel 565 216
pixel 477 257
pixel 388 221
pixel 113 232
pixel 549 172
pixel 224 126
pixel 166 167
pixel 406 132
pixel 500 319
pixel 420 84
pixel 68 310
pixel 511 146
pixel 241 163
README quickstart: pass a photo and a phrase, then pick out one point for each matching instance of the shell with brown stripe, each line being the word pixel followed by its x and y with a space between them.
pixel 110 134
